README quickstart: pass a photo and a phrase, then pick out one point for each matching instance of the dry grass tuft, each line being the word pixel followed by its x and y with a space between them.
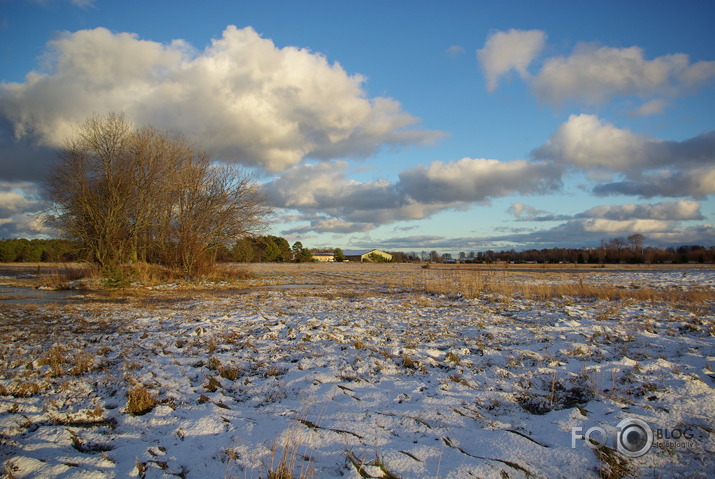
pixel 611 464
pixel 409 363
pixel 229 372
pixel 84 362
pixel 140 401
pixel 212 384
pixel 55 359
pixel 284 460
pixel 24 390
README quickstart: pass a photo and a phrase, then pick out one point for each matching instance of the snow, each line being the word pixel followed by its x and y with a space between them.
pixel 355 378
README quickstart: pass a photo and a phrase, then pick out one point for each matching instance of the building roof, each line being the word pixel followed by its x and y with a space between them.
pixel 359 252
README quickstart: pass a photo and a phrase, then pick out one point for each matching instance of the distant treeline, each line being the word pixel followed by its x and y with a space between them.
pixel 247 250
pixel 261 249
pixel 38 250
pixel 673 254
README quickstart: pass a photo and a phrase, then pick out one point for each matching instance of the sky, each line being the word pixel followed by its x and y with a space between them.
pixel 399 125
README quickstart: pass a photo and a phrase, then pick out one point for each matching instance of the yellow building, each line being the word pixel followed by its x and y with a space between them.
pixel 363 255
pixel 324 257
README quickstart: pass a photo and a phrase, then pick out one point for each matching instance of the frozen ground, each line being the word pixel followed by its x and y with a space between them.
pixel 362 374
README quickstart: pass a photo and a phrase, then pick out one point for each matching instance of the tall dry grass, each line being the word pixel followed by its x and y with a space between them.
pixel 471 284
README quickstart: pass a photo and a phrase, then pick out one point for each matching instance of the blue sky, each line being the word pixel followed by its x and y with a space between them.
pixel 403 125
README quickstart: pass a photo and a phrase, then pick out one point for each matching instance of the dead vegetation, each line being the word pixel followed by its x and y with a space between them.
pixel 140 401
pixel 543 286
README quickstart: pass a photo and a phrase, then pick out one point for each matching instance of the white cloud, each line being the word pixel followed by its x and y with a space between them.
pixel 653 107
pixel 524 212
pixel 597 74
pixel 477 179
pixel 330 225
pixel 662 223
pixel 587 142
pixel 241 98
pixel 455 51
pixel 697 182
pixel 506 51
pixel 419 193
pixel 615 227
pixel 593 74
pixel 652 167
pixel 664 211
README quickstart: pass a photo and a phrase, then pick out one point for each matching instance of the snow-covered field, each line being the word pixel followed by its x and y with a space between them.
pixel 360 372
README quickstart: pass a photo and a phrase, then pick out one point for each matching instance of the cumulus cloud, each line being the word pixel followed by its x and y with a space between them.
pixel 419 192
pixel 506 51
pixel 476 179
pixel 593 74
pixel 241 98
pixel 587 142
pixel 324 189
pixel 652 167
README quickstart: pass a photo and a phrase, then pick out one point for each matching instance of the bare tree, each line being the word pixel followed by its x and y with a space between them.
pixel 635 241
pixel 214 205
pixel 91 189
pixel 145 195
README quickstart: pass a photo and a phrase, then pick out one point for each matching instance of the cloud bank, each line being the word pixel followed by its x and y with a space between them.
pixel 242 98
pixel 419 192
pixel 663 223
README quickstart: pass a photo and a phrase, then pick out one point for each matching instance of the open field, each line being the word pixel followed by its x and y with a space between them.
pixel 346 370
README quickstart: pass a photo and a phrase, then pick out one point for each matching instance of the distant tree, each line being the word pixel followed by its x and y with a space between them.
pixel 338 255
pixel 300 254
pixel 272 252
pixel 297 248
pixel 243 251
pixel 635 241
pixel 377 258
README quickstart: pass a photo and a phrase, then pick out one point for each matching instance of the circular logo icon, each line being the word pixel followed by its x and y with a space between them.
pixel 635 437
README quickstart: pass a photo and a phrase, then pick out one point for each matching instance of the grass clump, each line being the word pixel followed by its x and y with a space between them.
pixel 140 401
pixel 229 372
pixel 84 362
pixel 55 359
pixel 25 390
